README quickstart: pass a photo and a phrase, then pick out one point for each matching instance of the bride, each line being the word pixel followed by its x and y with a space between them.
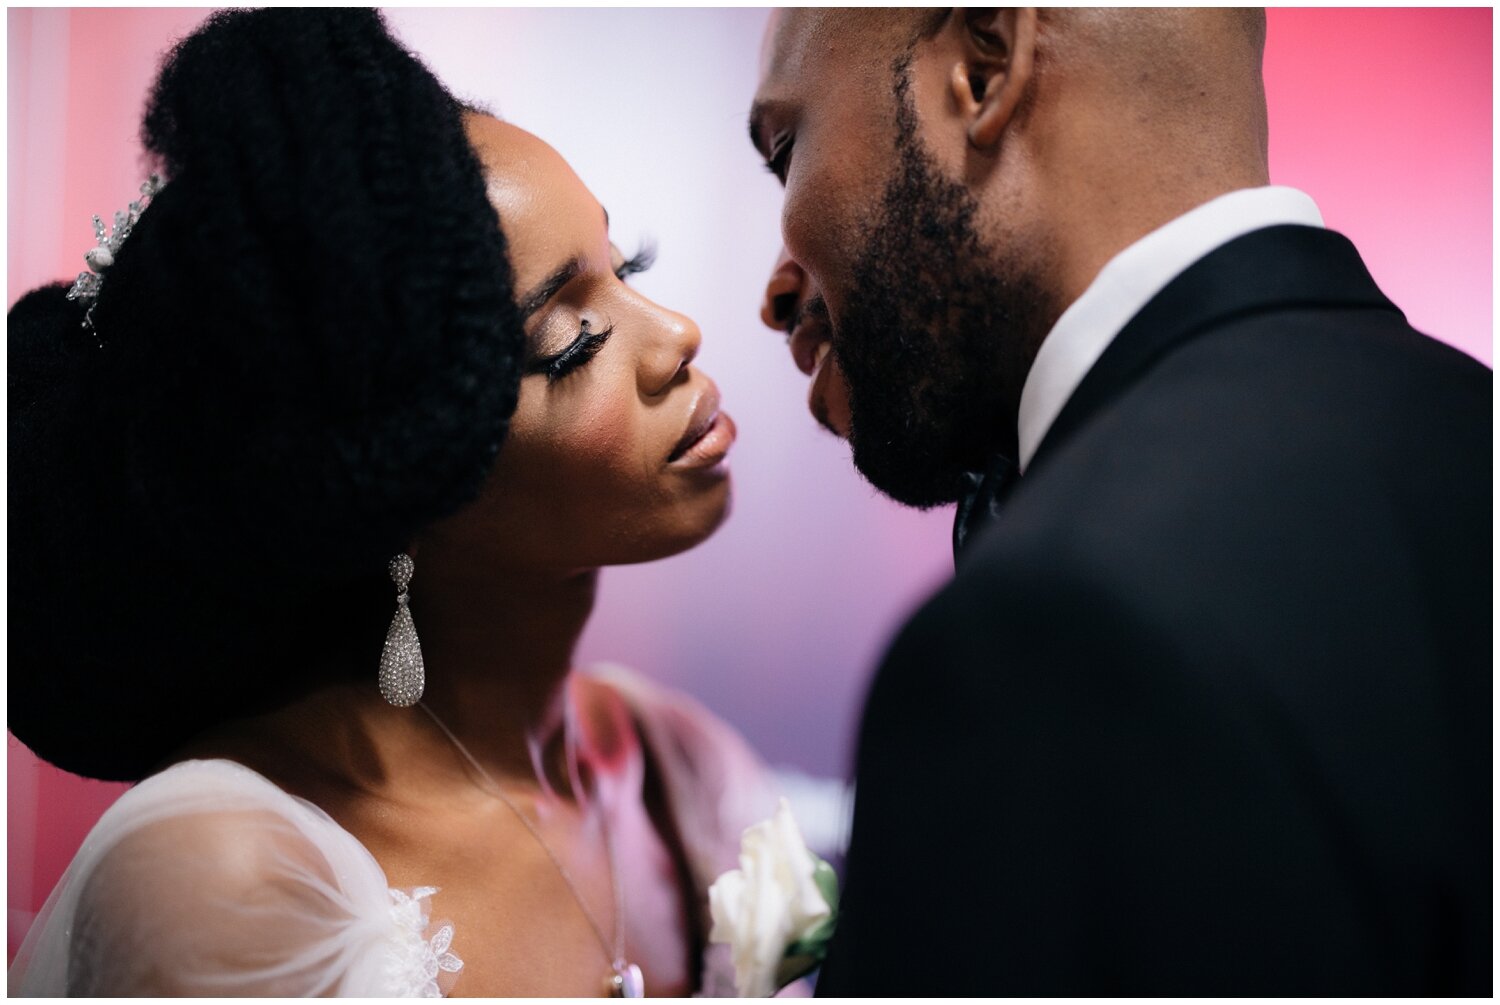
pixel 312 475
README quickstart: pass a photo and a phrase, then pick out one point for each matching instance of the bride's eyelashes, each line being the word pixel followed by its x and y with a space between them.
pixel 637 263
pixel 580 351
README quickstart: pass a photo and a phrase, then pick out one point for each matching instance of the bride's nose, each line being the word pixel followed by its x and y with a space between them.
pixel 674 350
pixel 784 290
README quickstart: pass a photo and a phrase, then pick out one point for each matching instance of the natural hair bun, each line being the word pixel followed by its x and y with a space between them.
pixel 307 350
pixel 325 288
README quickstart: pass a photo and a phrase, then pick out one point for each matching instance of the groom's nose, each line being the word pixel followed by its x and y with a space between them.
pixel 784 291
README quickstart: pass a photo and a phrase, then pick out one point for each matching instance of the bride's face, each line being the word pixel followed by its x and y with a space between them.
pixel 616 452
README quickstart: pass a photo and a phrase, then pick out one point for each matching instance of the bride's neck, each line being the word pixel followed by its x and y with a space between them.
pixel 497 652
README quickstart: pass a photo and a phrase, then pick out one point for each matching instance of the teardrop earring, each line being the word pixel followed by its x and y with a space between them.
pixel 402 674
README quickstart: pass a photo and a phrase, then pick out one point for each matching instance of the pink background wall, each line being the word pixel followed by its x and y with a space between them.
pixel 1383 116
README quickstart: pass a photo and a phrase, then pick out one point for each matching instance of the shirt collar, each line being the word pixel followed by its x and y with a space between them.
pixel 1128 282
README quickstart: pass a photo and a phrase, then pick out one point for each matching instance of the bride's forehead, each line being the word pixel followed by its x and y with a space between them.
pixel 511 152
pixel 500 140
pixel 523 174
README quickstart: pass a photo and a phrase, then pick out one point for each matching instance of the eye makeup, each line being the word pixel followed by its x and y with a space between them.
pixel 579 351
pixel 587 343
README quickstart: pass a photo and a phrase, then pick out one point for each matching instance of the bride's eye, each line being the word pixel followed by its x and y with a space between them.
pixel 580 351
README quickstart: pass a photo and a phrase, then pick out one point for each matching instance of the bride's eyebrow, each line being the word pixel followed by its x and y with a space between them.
pixel 548 288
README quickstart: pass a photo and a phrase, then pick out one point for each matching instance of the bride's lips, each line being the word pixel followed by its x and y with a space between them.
pixel 708 437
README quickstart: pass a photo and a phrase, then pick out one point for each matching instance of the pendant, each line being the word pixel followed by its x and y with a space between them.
pixel 626 982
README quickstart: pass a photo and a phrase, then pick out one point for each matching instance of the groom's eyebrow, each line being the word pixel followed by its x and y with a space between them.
pixel 548 288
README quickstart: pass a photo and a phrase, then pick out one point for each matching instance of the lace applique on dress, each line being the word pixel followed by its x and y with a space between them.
pixel 416 959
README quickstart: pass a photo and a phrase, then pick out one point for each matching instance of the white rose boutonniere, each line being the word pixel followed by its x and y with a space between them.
pixel 777 910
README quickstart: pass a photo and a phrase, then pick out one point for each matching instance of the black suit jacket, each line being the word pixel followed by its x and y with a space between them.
pixel 1206 709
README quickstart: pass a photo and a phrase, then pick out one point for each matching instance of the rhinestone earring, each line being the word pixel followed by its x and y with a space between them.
pixel 402 675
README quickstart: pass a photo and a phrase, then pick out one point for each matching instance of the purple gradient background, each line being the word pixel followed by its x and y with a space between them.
pixel 1384 116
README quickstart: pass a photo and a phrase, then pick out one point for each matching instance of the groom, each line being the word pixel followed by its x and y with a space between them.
pixel 1206 707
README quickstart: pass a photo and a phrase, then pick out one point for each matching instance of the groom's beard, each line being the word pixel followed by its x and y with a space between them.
pixel 933 343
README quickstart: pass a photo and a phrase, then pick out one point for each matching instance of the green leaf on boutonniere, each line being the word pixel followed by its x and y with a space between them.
pixel 808 952
pixel 794 967
pixel 828 884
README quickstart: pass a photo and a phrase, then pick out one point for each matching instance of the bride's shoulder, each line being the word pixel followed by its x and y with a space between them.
pixel 207 878
pixel 221 816
pixel 199 786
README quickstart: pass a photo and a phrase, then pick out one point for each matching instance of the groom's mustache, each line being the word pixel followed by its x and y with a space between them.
pixel 812 314
pixel 814 308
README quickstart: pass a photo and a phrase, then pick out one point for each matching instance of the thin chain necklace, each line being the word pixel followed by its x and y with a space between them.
pixel 624 979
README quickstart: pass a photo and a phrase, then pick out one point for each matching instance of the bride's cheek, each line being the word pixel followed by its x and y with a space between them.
pixel 597 433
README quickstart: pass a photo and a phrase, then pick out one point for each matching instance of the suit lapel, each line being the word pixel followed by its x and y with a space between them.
pixel 1274 268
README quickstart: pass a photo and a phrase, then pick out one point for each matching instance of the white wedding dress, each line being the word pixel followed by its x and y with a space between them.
pixel 208 880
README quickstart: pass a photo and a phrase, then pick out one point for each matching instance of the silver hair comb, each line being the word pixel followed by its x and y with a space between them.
pixel 102 255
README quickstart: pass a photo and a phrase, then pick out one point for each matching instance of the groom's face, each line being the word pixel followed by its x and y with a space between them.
pixel 921 299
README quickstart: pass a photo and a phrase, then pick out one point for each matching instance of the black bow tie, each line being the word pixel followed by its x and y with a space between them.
pixel 983 494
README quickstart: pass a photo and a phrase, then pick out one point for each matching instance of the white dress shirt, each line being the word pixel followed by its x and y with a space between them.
pixel 1128 282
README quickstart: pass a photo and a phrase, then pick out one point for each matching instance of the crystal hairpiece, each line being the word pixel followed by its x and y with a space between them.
pixel 102 255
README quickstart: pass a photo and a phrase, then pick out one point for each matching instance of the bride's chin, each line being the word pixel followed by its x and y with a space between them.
pixel 722 511
pixel 698 522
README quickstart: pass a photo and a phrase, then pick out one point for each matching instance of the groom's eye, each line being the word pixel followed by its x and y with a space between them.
pixel 781 155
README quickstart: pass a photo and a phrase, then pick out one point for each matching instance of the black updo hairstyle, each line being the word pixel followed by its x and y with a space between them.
pixel 307 350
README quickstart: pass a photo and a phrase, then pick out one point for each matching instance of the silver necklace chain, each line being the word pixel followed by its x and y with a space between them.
pixel 617 957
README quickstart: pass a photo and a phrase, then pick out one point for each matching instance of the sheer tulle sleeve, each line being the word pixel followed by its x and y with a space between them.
pixel 209 880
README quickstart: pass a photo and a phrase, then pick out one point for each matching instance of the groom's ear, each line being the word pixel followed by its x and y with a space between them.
pixel 993 70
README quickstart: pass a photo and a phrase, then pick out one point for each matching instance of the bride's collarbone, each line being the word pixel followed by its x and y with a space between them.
pixel 518 927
